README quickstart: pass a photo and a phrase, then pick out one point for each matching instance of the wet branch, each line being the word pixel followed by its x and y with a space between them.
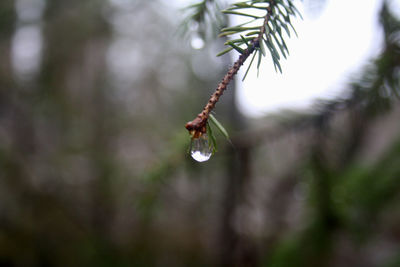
pixel 197 127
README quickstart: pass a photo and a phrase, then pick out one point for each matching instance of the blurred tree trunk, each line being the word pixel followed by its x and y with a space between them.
pixel 236 249
pixel 7 26
pixel 74 91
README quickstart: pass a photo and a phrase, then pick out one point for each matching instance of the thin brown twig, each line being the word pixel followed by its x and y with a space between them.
pixel 197 127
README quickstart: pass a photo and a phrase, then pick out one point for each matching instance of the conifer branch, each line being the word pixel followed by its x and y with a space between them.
pixel 198 126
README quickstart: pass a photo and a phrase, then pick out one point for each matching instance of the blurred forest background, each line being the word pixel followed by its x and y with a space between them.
pixel 94 169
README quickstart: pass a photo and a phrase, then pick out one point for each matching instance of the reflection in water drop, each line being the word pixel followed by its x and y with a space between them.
pixel 197 42
pixel 200 148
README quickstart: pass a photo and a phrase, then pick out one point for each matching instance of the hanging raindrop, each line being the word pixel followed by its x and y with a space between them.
pixel 200 149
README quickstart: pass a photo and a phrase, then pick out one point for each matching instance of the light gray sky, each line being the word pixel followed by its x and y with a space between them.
pixel 329 51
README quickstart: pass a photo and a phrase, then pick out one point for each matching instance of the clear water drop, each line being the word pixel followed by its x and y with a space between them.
pixel 200 149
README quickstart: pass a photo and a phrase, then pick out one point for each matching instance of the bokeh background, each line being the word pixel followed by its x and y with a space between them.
pixel 94 169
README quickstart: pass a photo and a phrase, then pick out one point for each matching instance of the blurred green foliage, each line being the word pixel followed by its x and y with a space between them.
pixel 93 162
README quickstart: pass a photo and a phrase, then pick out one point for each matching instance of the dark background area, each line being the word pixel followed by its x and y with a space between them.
pixel 94 169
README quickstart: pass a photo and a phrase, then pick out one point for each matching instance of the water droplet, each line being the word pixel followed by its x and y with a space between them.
pixel 200 148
